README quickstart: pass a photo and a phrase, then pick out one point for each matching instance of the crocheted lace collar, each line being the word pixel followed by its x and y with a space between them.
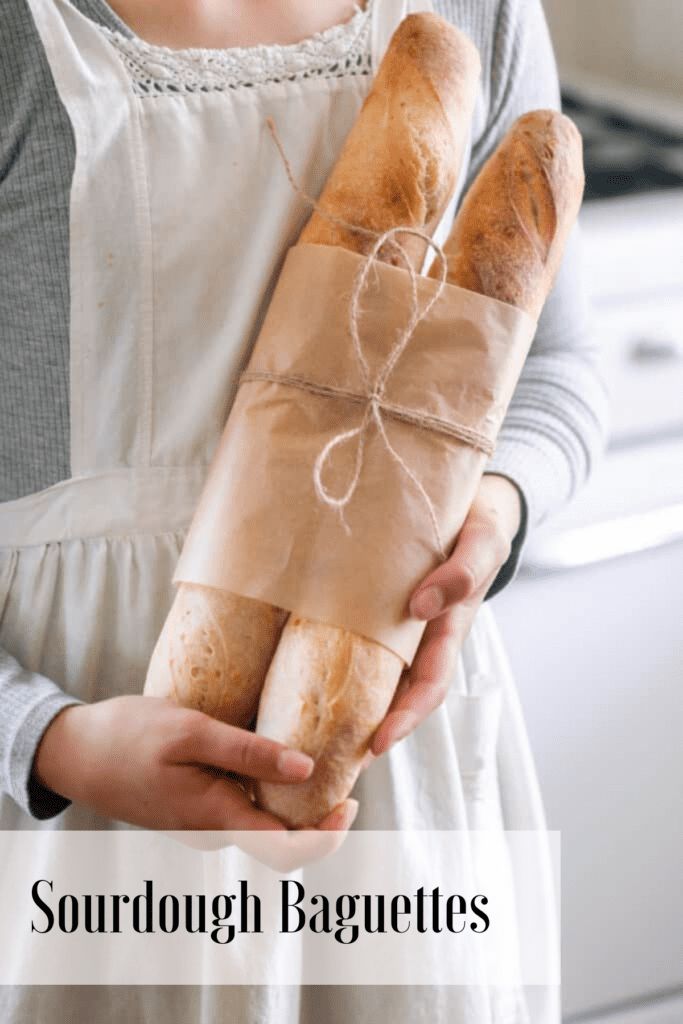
pixel 156 70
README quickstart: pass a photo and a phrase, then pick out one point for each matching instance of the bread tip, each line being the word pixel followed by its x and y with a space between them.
pixel 552 124
pixel 426 27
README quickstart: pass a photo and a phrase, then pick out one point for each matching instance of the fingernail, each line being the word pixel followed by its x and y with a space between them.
pixel 428 603
pixel 367 760
pixel 348 815
pixel 294 763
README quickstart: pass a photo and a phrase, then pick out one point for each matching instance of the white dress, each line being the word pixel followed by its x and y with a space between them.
pixel 180 214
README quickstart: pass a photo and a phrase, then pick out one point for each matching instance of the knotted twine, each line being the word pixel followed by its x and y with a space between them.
pixel 373 396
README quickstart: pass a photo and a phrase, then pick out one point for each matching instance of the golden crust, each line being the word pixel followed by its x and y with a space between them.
pixel 401 160
pixel 326 692
pixel 510 233
pixel 213 652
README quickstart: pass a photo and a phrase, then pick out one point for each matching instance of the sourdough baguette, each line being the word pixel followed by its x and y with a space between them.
pixel 397 168
pixel 213 652
pixel 509 237
pixel 400 162
pixel 327 689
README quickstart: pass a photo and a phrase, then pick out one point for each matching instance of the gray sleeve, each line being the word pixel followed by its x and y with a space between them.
pixel 28 703
pixel 554 430
pixel 35 144
pixel 555 427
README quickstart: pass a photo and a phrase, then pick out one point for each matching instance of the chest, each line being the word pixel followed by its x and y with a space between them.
pixel 222 24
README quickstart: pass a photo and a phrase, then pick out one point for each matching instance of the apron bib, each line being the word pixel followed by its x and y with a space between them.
pixel 180 216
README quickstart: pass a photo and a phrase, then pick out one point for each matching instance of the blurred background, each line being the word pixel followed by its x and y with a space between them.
pixel 594 621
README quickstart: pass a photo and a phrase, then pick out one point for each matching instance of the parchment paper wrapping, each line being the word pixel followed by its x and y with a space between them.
pixel 261 530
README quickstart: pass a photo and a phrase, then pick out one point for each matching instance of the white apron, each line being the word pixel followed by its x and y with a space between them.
pixel 180 214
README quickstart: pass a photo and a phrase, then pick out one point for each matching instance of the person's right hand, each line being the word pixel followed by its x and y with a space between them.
pixel 145 761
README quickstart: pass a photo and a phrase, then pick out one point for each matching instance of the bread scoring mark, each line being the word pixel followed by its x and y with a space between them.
pixel 323 702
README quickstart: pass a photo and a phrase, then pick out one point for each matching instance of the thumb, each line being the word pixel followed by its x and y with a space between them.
pixel 477 556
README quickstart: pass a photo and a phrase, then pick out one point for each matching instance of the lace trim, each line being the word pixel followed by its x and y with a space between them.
pixel 159 70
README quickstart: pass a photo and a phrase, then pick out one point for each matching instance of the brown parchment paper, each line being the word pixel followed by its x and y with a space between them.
pixel 261 530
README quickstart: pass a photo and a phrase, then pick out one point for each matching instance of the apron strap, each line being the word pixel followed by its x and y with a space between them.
pixel 387 15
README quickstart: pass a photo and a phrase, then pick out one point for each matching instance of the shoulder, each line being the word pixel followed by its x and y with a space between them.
pixel 487 20
pixel 30 111
pixel 518 65
pixel 25 81
pixel 20 45
pixel 511 36
pixel 37 149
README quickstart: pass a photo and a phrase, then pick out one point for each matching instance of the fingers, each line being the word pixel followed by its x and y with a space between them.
pixel 208 749
pixel 450 583
pixel 340 819
pixel 448 598
pixel 424 688
pixel 286 851
pixel 477 557
pixel 204 801
pixel 482 547
pixel 479 553
pixel 281 850
pixel 206 741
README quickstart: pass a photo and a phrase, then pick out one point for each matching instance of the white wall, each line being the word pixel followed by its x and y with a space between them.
pixel 638 43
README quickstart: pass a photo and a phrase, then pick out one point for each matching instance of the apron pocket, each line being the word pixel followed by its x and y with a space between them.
pixel 475 720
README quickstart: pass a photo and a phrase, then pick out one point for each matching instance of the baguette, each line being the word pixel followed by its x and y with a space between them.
pixel 213 652
pixel 509 237
pixel 400 162
pixel 397 168
pixel 327 689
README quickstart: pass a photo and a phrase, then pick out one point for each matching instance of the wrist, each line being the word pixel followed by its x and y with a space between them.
pixel 57 765
pixel 516 529
pixel 503 500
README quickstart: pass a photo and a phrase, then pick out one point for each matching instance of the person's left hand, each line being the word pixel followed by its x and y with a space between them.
pixel 449 598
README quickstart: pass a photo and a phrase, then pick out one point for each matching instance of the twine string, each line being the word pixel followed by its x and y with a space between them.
pixel 376 407
pixel 375 392
pixel 399 413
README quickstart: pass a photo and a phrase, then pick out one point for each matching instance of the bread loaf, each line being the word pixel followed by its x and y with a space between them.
pixel 509 236
pixel 398 167
pixel 327 689
pixel 400 162
pixel 213 652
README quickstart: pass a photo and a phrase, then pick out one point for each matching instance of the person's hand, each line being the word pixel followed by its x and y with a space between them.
pixel 145 761
pixel 449 599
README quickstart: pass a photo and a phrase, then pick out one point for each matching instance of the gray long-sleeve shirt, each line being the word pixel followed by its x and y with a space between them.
pixel 550 437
